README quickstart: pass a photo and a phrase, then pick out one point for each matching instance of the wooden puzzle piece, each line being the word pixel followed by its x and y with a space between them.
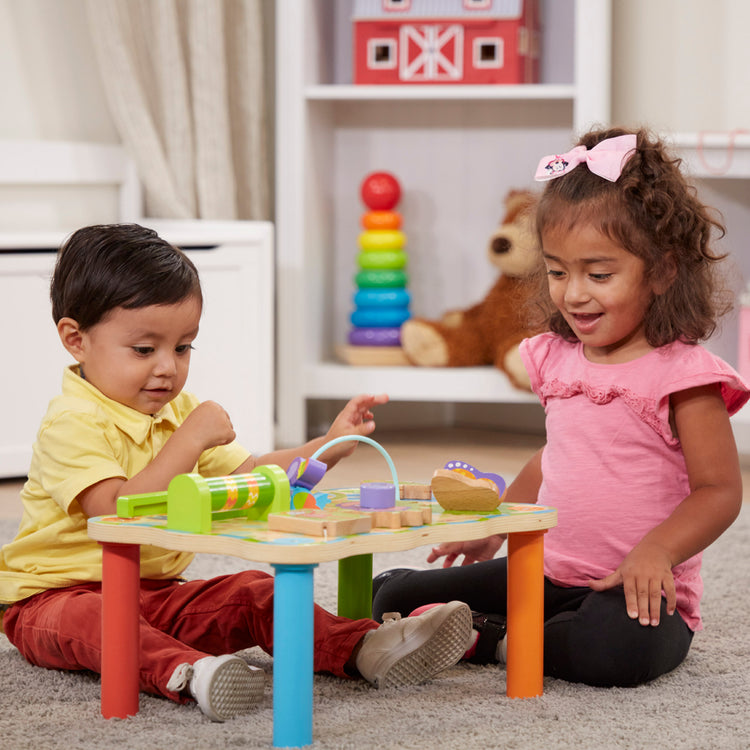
pixel 321 522
pixel 415 491
pixel 402 515
pixel 408 513
pixel 454 490
pixel 473 473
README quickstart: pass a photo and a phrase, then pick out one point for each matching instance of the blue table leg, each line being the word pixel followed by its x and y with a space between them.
pixel 293 655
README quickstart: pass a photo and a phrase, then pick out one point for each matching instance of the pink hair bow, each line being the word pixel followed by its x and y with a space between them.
pixel 606 159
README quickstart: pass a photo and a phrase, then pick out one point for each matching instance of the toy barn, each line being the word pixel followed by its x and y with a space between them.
pixel 446 41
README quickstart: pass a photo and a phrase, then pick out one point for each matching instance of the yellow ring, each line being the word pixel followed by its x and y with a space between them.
pixel 382 239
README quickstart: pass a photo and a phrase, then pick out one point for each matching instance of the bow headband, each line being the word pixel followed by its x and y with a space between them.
pixel 606 159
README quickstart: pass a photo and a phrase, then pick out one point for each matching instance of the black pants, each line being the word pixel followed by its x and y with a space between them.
pixel 588 636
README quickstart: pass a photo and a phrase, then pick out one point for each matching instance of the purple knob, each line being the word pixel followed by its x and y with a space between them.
pixel 377 495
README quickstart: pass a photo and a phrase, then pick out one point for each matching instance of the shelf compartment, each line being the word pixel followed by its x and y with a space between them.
pixel 535 91
pixel 330 380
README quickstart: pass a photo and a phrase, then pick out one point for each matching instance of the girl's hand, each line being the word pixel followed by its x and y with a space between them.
pixel 643 575
pixel 208 425
pixel 477 550
pixel 356 418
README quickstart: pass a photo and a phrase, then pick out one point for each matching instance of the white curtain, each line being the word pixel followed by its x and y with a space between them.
pixel 185 85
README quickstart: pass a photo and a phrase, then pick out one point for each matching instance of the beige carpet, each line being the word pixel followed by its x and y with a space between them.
pixel 703 704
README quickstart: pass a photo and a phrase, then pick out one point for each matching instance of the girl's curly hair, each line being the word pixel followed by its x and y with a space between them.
pixel 653 213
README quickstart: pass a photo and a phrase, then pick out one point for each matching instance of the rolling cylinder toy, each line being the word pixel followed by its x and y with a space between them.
pixel 192 502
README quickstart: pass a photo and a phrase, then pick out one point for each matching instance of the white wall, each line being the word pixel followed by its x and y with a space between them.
pixel 48 77
pixel 681 65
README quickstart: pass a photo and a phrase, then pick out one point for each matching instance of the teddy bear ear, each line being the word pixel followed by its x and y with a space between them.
pixel 516 202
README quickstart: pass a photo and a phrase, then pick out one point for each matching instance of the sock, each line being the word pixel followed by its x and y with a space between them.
pixel 501 654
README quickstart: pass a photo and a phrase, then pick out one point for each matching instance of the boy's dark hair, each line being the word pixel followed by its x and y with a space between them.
pixel 652 212
pixel 106 266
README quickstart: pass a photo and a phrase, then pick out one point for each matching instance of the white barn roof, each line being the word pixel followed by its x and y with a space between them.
pixel 374 10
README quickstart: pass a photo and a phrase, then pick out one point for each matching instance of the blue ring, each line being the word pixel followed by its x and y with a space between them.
pixel 382 298
pixel 380 317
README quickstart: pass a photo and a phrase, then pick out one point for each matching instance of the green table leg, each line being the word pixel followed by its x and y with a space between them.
pixel 355 587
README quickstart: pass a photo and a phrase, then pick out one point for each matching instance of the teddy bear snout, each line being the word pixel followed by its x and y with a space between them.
pixel 500 245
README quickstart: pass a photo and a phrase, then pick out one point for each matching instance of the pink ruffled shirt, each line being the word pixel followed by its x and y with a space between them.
pixel 611 465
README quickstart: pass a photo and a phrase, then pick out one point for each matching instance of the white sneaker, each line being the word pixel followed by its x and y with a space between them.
pixel 223 686
pixel 412 650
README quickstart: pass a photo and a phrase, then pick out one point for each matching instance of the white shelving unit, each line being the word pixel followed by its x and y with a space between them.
pixel 719 156
pixel 456 150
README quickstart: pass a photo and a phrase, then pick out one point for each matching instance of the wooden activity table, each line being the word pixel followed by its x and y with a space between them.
pixel 294 558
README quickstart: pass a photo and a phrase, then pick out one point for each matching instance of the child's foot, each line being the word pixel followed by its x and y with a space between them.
pixel 488 643
pixel 223 686
pixel 412 650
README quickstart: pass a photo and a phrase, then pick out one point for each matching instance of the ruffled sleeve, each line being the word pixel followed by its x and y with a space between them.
pixel 697 366
pixel 541 358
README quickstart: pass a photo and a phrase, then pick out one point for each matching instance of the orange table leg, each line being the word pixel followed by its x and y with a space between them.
pixel 525 614
pixel 120 634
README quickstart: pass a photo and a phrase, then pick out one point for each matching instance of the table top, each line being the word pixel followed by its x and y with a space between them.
pixel 253 540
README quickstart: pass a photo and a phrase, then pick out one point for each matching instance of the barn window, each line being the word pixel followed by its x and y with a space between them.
pixel 488 52
pixel 381 54
pixel 477 4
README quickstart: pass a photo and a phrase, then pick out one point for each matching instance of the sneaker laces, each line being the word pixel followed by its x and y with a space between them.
pixel 180 677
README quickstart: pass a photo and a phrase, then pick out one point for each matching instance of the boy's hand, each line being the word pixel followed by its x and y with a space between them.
pixel 209 425
pixel 643 575
pixel 476 550
pixel 356 418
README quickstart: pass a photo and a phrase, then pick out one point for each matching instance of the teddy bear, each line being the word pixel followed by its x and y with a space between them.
pixel 490 331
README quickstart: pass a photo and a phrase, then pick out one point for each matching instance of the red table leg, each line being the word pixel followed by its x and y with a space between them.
pixel 120 634
pixel 525 661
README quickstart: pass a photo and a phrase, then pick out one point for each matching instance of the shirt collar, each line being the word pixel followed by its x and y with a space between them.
pixel 131 421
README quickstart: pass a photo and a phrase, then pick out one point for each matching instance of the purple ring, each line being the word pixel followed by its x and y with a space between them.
pixel 371 336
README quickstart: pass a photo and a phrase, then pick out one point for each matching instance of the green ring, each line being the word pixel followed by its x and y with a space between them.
pixel 381 279
pixel 389 260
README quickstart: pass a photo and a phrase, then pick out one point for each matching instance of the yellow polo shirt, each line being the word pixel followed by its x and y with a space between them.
pixel 84 438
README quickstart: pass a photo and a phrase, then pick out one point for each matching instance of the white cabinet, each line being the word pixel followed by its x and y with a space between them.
pixel 456 150
pixel 233 360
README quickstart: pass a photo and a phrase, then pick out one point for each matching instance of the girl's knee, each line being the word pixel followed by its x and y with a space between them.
pixel 601 646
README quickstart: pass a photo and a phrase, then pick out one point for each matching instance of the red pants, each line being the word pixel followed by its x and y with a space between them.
pixel 179 622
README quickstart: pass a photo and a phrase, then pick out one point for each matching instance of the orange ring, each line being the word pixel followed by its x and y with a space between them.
pixel 381 220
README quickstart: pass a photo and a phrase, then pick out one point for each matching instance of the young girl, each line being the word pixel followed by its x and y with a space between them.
pixel 640 459
pixel 127 307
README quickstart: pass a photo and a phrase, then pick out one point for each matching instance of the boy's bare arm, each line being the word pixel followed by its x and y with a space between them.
pixel 208 425
pixel 356 418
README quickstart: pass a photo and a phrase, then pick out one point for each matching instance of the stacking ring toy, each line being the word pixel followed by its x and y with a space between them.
pixel 382 298
pixel 382 239
pixel 381 278
pixel 379 316
pixel 382 259
pixel 385 336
